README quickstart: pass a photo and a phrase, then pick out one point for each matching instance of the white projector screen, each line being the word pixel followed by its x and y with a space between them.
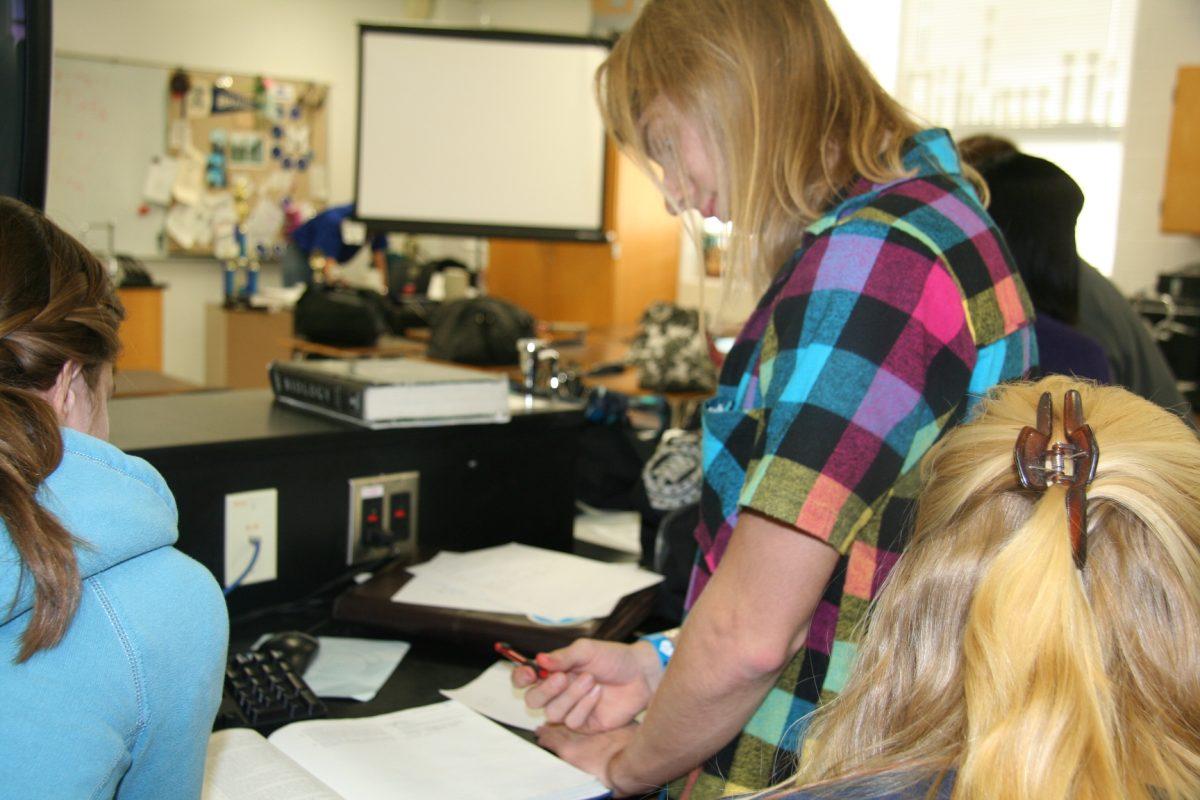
pixel 479 133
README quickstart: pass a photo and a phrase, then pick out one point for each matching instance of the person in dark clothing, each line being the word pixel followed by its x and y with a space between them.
pixel 1035 204
pixel 1103 312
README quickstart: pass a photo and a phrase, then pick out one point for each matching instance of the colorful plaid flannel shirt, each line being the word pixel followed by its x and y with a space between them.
pixel 898 311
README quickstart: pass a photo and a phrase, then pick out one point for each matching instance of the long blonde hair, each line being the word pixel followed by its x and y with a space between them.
pixel 780 95
pixel 989 654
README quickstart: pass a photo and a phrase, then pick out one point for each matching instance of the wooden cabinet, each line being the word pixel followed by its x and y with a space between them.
pixel 1181 193
pixel 600 284
pixel 240 344
pixel 141 332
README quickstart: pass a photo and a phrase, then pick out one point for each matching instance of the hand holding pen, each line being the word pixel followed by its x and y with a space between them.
pixel 507 651
pixel 590 686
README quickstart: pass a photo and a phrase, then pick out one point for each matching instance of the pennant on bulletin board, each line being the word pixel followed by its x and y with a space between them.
pixel 225 101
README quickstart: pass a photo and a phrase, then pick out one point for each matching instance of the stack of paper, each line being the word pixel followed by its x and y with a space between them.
pixel 545 585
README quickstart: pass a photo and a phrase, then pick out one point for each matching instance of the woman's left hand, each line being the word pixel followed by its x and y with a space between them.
pixel 594 753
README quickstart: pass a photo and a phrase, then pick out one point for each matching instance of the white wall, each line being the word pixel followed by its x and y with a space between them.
pixel 1168 36
pixel 310 39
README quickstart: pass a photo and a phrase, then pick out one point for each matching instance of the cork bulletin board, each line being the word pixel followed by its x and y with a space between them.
pixel 244 150
pixel 130 159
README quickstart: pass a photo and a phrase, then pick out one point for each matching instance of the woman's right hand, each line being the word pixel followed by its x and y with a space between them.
pixel 593 686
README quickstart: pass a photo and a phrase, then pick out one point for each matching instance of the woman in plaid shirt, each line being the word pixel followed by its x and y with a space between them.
pixel 888 305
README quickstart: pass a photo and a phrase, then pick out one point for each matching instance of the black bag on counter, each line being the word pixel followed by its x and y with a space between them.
pixel 340 316
pixel 479 330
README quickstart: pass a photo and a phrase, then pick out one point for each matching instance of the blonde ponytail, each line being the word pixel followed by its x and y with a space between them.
pixel 992 658
pixel 1034 674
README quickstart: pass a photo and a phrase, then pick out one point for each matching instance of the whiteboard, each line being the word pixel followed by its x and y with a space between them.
pixel 480 133
pixel 107 121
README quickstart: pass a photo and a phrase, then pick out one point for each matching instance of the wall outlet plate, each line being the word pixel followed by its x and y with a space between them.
pixel 249 516
pixel 383 517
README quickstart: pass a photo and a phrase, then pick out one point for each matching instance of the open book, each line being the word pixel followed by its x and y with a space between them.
pixel 442 751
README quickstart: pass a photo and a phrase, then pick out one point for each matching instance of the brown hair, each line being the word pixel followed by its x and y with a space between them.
pixel 982 150
pixel 57 305
pixel 781 96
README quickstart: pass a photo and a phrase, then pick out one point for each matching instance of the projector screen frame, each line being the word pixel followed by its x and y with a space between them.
pixel 376 224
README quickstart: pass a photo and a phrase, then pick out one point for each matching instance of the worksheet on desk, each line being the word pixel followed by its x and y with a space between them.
pixel 517 578
pixel 444 750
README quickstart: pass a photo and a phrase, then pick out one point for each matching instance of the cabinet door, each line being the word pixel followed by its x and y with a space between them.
pixel 141 332
pixel 1181 195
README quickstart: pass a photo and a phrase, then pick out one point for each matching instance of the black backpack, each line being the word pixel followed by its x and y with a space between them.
pixel 340 316
pixel 479 330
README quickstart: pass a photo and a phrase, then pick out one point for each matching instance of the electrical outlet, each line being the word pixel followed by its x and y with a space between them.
pixel 383 517
pixel 249 516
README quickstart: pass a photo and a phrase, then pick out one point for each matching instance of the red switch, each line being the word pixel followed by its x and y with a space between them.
pixel 399 503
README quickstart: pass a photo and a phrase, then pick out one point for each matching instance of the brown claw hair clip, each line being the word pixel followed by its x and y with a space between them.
pixel 1071 463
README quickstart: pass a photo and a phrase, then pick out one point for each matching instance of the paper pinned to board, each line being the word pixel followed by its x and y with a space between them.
pixel 493 695
pixel 160 177
pixel 185 225
pixel 546 585
pixel 188 186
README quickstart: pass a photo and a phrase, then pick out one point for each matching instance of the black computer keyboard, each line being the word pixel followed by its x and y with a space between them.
pixel 263 692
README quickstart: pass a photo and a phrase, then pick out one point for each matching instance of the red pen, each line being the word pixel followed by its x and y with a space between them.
pixel 506 650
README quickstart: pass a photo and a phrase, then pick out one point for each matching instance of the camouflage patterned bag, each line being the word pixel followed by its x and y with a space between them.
pixel 671 352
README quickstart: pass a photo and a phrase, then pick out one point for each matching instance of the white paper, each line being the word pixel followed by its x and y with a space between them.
pixel 283 93
pixel 443 751
pixel 264 224
pixel 616 530
pixel 198 102
pixel 224 244
pixel 220 208
pixel 242 765
pixel 278 183
pixel 546 585
pixel 179 135
pixel 188 186
pixel 184 225
pixel 493 695
pixel 353 232
pixel 354 668
pixel 160 176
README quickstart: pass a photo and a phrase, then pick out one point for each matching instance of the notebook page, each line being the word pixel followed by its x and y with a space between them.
pixel 242 765
pixel 444 750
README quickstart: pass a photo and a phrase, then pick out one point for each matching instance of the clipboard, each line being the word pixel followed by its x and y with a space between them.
pixel 370 603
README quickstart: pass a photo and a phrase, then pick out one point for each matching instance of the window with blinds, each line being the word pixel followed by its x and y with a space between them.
pixel 1017 64
pixel 1052 75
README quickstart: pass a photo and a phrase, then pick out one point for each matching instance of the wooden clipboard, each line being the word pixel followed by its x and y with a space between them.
pixel 370 603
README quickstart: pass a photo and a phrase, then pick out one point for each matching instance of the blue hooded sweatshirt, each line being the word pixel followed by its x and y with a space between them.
pixel 123 705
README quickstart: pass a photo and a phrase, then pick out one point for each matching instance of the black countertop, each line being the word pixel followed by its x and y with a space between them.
pixel 213 417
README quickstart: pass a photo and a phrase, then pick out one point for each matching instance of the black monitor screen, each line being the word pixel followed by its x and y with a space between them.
pixel 25 98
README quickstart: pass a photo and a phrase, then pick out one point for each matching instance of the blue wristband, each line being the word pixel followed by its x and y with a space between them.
pixel 663 646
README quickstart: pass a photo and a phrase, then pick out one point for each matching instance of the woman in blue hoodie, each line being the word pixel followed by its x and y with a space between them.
pixel 112 643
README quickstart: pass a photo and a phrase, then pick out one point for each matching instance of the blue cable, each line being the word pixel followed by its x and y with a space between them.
pixel 253 560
